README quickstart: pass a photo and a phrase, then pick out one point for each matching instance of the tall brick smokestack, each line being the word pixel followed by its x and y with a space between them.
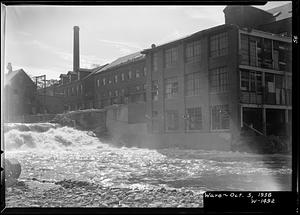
pixel 76 49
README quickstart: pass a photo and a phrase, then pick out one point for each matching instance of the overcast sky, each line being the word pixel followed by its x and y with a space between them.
pixel 40 39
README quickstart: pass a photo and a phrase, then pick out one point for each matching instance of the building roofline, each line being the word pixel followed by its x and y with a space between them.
pixel 247 6
pixel 10 76
pixel 95 70
pixel 133 60
pixel 268 34
pixel 198 33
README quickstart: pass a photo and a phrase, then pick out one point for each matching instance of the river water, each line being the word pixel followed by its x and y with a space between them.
pixel 65 167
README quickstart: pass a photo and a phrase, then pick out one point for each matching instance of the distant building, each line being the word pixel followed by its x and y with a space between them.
pixel 77 89
pixel 123 82
pixel 19 96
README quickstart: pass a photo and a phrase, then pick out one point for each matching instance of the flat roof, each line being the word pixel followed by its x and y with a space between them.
pixel 198 33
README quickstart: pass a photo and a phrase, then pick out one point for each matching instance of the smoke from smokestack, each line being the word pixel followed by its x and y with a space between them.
pixel 76 49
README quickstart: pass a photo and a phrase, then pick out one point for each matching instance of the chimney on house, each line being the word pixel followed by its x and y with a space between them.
pixel 9 68
pixel 76 50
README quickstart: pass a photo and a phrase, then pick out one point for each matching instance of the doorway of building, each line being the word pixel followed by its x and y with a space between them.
pixel 252 117
pixel 275 122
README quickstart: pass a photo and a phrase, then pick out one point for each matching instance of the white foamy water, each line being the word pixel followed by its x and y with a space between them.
pixel 49 151
pixel 46 136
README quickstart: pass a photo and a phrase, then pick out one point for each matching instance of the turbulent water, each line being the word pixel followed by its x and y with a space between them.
pixel 51 153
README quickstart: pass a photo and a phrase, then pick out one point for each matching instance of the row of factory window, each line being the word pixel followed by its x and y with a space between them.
pixel 276 89
pixel 124 91
pixel 218 82
pixel 123 99
pixel 219 115
pixel 73 91
pixel 218 46
pixel 121 77
pixel 265 53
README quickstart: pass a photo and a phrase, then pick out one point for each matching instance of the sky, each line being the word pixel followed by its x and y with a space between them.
pixel 39 39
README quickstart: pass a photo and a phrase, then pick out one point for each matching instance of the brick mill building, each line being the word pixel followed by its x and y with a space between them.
pixel 207 86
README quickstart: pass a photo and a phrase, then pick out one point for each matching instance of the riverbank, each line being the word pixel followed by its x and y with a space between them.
pixel 70 193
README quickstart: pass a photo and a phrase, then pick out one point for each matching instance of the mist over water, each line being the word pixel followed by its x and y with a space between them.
pixel 52 152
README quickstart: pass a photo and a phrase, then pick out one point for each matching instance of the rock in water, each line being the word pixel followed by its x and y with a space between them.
pixel 12 171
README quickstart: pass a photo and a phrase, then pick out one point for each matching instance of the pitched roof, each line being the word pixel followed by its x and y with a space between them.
pixel 95 70
pixel 85 70
pixel 123 60
pixel 281 12
pixel 11 75
pixel 72 73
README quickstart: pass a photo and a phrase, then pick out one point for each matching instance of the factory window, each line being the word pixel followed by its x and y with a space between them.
pixel 276 92
pixel 77 90
pixel 171 87
pixel 72 91
pixel 109 80
pixel 109 93
pixel 122 77
pixel 282 56
pixel 251 81
pixel 116 93
pixel 154 62
pixel 154 90
pixel 267 54
pixel 172 120
pixel 288 85
pixel 104 81
pixel 192 84
pixel 219 45
pixel 137 74
pixel 129 75
pixel 219 117
pixel 253 52
pixel 250 50
pixel 194 118
pixel 171 56
pixel 145 71
pixel 193 51
pixel 81 89
pixel 244 49
pixel 98 82
pixel 219 80
pixel 116 78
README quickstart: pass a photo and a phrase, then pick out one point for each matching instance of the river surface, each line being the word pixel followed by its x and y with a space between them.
pixel 65 167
